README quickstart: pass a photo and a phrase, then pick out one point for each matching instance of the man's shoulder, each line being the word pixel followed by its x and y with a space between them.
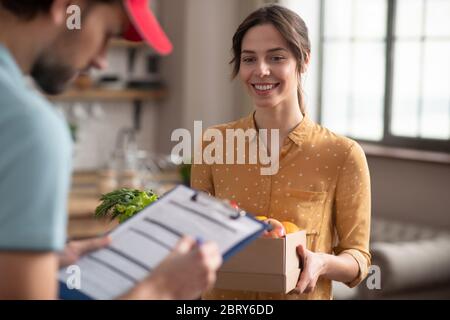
pixel 27 117
pixel 19 97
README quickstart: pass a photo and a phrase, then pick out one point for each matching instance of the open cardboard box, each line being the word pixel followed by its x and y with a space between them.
pixel 265 265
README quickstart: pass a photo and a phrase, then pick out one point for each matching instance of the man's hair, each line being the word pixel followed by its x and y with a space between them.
pixel 28 9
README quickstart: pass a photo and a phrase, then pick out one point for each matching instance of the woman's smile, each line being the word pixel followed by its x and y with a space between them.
pixel 264 88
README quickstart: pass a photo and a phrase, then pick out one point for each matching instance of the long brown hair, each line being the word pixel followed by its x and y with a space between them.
pixel 290 25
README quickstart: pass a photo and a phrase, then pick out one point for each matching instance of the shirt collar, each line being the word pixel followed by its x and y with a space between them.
pixel 297 135
pixel 302 130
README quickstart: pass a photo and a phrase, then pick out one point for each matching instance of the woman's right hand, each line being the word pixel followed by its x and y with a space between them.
pixel 189 270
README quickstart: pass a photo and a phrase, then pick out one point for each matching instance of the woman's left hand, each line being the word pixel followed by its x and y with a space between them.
pixel 314 265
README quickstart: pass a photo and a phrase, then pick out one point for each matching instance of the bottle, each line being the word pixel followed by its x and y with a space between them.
pixel 107 181
pixel 130 179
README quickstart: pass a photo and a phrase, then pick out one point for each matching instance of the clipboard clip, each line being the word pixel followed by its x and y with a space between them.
pixel 218 205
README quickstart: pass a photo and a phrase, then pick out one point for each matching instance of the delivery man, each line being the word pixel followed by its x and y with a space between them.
pixel 35 156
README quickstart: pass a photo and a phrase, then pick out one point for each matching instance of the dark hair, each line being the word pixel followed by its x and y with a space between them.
pixel 291 27
pixel 28 9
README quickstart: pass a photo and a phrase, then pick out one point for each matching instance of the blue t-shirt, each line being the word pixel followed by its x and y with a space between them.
pixel 35 165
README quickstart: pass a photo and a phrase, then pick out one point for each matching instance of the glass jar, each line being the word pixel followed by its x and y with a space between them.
pixel 107 181
pixel 129 178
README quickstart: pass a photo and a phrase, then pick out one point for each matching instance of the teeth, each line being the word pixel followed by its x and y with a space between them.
pixel 264 87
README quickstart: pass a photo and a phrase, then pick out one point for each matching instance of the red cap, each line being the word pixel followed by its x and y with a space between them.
pixel 144 26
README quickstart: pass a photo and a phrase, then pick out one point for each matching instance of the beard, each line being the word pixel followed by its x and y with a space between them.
pixel 52 77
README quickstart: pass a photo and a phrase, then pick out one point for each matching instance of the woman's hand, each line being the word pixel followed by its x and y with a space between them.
pixel 74 250
pixel 314 265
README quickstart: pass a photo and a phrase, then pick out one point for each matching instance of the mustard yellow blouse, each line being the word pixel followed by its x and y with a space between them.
pixel 322 185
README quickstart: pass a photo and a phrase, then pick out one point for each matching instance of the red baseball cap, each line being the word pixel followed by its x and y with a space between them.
pixel 145 27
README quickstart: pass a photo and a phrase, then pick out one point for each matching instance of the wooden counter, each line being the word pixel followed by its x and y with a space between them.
pixel 83 199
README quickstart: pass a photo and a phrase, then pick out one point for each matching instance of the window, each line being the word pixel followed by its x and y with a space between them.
pixel 385 74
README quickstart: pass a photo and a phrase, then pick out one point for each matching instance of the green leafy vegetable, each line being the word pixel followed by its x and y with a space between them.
pixel 124 203
pixel 185 172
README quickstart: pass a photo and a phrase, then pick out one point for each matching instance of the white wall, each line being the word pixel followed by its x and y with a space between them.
pixel 309 11
pixel 209 94
pixel 96 136
pixel 197 71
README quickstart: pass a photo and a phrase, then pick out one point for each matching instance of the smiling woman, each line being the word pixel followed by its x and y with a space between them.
pixel 323 183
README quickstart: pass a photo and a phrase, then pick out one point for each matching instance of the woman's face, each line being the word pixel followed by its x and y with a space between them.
pixel 268 68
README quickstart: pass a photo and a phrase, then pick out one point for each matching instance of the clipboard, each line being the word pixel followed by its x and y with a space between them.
pixel 142 242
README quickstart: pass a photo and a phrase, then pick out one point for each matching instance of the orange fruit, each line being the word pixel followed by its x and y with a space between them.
pixel 290 227
pixel 277 230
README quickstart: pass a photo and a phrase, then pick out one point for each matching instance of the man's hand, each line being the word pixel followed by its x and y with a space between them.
pixel 74 250
pixel 188 271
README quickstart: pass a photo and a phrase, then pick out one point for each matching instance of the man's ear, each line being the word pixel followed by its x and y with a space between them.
pixel 58 11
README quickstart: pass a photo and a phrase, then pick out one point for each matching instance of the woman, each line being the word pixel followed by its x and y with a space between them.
pixel 322 183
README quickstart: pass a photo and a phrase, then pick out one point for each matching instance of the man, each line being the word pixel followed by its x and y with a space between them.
pixel 36 147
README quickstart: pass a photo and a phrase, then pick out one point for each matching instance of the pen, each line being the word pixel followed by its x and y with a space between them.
pixel 199 241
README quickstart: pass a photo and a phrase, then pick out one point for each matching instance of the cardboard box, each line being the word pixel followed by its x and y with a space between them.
pixel 265 265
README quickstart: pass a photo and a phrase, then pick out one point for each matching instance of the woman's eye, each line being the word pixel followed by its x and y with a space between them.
pixel 247 60
pixel 277 58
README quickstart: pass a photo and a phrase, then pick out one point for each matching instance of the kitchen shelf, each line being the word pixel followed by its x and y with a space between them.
pixel 110 95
